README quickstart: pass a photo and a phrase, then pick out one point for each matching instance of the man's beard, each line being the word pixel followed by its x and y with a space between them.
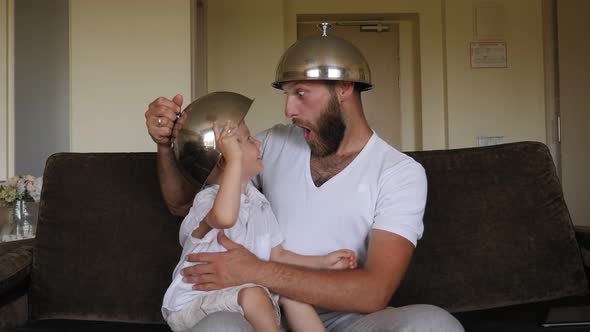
pixel 329 130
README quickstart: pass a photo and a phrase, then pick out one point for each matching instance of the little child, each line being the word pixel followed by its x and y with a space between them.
pixel 231 204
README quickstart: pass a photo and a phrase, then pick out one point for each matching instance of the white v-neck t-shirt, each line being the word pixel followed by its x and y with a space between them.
pixel 381 188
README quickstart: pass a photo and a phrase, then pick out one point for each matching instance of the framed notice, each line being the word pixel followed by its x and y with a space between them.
pixel 488 54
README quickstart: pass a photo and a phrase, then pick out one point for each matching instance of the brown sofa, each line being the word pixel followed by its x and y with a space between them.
pixel 499 247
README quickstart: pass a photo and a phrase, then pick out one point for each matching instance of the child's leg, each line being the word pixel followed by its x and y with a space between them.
pixel 301 316
pixel 258 309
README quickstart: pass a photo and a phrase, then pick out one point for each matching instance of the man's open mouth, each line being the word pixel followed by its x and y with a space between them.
pixel 307 133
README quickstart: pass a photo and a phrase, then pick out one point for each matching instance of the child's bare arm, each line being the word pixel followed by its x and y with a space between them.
pixel 338 260
pixel 224 212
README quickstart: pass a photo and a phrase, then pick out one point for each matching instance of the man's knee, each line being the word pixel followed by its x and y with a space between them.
pixel 436 319
pixel 424 317
pixel 410 318
pixel 223 321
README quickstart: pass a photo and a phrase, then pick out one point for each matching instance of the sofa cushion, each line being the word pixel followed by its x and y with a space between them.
pixel 497 231
pixel 16 267
pixel 106 244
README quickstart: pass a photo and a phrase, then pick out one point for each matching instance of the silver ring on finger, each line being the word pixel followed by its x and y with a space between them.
pixel 159 122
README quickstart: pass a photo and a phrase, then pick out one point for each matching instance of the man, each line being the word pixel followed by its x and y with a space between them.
pixel 333 183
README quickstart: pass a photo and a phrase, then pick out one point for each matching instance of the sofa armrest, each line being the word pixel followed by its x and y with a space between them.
pixel 16 260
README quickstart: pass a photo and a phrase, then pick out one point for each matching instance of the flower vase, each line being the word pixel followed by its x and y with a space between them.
pixel 18 221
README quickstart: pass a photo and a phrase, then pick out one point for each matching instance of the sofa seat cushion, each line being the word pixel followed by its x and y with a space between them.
pixel 63 325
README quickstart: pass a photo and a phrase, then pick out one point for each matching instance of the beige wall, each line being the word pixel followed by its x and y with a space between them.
pixel 458 103
pixel 410 104
pixel 574 86
pixel 123 55
pixel 505 102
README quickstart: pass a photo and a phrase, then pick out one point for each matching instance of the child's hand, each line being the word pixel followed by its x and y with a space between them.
pixel 227 141
pixel 340 260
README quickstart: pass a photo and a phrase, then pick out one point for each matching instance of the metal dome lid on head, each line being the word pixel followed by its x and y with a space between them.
pixel 323 57
pixel 194 147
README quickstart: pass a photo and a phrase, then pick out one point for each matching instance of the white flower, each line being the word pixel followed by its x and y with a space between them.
pixel 20 187
pixel 12 181
pixel 27 188
pixel 38 184
pixel 36 193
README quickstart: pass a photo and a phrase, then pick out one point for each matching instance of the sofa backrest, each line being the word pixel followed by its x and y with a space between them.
pixel 106 245
pixel 497 231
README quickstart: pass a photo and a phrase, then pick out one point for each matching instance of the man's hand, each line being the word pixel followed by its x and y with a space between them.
pixel 163 119
pixel 219 270
pixel 340 260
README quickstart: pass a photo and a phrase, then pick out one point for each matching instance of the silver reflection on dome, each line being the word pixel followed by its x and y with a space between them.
pixel 323 57
pixel 194 147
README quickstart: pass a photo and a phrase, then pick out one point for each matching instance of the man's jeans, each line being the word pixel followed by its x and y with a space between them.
pixel 411 318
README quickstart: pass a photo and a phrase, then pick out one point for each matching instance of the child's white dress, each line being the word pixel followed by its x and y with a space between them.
pixel 256 229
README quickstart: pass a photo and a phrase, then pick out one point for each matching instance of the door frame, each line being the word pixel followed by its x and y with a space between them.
pixel 7 89
pixel 198 48
pixel 551 75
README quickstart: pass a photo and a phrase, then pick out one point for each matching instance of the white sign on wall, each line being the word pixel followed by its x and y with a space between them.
pixel 488 54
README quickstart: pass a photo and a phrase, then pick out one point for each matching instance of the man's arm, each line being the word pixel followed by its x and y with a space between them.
pixel 162 125
pixel 362 290
pixel 177 191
